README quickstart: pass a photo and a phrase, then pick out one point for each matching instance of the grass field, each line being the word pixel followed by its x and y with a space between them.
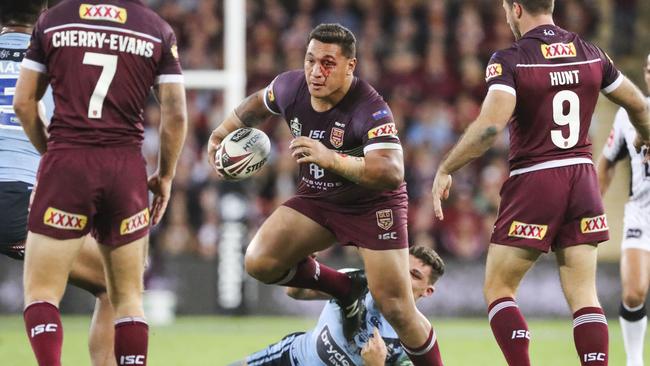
pixel 216 341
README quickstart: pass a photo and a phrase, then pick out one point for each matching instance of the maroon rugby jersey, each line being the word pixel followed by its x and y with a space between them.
pixel 360 122
pixel 556 77
pixel 102 58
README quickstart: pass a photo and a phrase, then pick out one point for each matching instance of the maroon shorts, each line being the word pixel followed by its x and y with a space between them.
pixel 551 209
pixel 98 190
pixel 379 227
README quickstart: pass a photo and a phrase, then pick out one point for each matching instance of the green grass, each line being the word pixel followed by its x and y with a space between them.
pixel 217 341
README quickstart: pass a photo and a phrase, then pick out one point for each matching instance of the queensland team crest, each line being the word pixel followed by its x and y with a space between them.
pixel 336 137
pixel 385 218
pixel 296 127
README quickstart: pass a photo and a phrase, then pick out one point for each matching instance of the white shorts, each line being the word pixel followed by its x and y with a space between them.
pixel 636 228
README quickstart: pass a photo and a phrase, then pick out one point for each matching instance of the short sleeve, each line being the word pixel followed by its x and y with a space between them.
pixel 36 58
pixel 500 72
pixel 169 69
pixel 612 77
pixel 379 130
pixel 615 148
pixel 279 93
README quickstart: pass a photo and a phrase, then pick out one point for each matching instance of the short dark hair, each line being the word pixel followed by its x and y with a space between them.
pixel 535 6
pixel 338 34
pixel 21 12
pixel 429 257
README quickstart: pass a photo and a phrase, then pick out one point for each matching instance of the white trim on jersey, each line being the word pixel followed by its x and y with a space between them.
pixel 33 65
pixel 503 87
pixel 170 78
pixel 102 27
pixel 551 164
pixel 382 145
pixel 268 107
pixel 613 86
pixel 560 65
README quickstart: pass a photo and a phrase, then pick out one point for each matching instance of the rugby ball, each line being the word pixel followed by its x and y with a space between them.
pixel 242 153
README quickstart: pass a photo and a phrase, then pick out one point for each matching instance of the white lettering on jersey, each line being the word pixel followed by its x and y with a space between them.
pixel 102 40
pixel 564 77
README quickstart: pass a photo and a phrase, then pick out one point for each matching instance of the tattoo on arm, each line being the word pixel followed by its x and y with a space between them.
pixel 488 134
pixel 249 112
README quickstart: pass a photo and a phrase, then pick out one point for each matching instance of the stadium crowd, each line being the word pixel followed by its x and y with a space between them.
pixel 426 58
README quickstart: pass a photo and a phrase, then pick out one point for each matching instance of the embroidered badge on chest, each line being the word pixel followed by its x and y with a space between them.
pixel 336 137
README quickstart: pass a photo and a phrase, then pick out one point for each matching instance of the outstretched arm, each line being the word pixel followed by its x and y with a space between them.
pixel 249 113
pixel 606 170
pixel 628 96
pixel 477 139
pixel 30 88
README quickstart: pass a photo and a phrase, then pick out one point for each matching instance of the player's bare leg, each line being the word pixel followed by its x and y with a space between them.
pixel 578 277
pixel 48 262
pixel 280 254
pixel 506 266
pixel 635 279
pixel 88 273
pixel 124 267
pixel 389 282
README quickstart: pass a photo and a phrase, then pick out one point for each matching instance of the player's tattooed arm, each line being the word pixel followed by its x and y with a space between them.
pixel 380 169
pixel 30 88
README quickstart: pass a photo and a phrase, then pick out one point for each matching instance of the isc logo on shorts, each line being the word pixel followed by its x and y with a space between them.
pixel 527 231
pixel 594 224
pixel 64 220
pixel 135 222
pixel 558 50
pixel 111 13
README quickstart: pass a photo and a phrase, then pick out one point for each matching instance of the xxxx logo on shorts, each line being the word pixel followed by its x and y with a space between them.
pixel 527 231
pixel 493 70
pixel 111 13
pixel 64 220
pixel 558 50
pixel 387 129
pixel 385 218
pixel 135 222
pixel 336 137
pixel 594 224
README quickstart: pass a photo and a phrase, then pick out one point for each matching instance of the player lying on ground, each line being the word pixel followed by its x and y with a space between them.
pixel 635 259
pixel 351 189
pixel 18 165
pixel 545 87
pixel 326 344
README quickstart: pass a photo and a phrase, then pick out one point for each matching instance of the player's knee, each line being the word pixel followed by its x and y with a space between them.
pixel 394 307
pixel 261 268
pixel 634 297
pixel 494 290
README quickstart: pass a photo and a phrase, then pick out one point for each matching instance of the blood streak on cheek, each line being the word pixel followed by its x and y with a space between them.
pixel 325 72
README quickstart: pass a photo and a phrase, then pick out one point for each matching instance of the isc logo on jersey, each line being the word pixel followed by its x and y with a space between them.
pixel 135 222
pixel 64 220
pixel 558 50
pixel 527 231
pixel 387 129
pixel 493 70
pixel 593 224
pixel 111 13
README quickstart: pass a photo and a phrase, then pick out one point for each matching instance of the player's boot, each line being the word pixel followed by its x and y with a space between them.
pixel 353 309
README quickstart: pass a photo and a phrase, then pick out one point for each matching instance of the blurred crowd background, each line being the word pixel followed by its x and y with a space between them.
pixel 426 57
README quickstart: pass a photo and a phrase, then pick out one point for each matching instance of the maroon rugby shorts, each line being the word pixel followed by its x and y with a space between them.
pixel 551 209
pixel 382 226
pixel 99 190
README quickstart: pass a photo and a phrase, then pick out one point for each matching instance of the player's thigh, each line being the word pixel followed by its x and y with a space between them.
pixel 124 266
pixel 635 275
pixel 388 275
pixel 577 265
pixel 287 236
pixel 48 262
pixel 505 267
pixel 88 270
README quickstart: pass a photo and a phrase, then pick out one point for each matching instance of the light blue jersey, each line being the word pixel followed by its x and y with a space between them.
pixel 326 346
pixel 18 157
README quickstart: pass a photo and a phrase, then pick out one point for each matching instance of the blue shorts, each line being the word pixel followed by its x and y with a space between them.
pixel 277 354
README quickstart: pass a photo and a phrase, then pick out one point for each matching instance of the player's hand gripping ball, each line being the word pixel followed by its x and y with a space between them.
pixel 242 153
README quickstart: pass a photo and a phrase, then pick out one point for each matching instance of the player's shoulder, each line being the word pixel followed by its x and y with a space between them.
pixel 366 102
pixel 290 78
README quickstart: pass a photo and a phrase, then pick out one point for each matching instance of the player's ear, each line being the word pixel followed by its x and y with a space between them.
pixel 429 291
pixel 518 9
pixel 352 64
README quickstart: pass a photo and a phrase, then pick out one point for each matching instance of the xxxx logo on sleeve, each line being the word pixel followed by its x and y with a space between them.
pixel 64 220
pixel 594 224
pixel 527 231
pixel 558 50
pixel 135 222
pixel 387 129
pixel 107 12
pixel 493 70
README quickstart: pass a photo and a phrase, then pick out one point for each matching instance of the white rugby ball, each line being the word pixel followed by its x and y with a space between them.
pixel 242 153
